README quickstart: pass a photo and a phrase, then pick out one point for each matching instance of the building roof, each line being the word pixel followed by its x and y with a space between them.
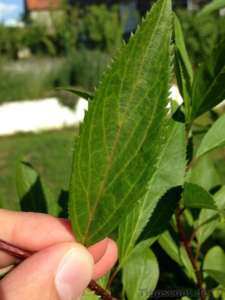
pixel 42 4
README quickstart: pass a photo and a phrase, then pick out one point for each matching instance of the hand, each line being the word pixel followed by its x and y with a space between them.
pixel 60 269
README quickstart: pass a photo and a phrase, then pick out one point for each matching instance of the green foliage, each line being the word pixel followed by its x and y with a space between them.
pixel 208 219
pixel 163 212
pixel 206 89
pixel 32 79
pixel 208 86
pixel 196 197
pixel 86 67
pixel 140 274
pixel 201 33
pixel 164 178
pixel 34 37
pixel 38 78
pixel 10 41
pixel 84 94
pixel 215 5
pixel 105 187
pixel 184 72
pixel 33 194
pixel 177 253
pixel 30 190
pixel 95 27
pixel 214 263
pixel 181 47
pixel 88 295
pixel 100 27
pixel 41 150
pixel 170 247
pixel 137 175
pixel 214 138
pixel 204 173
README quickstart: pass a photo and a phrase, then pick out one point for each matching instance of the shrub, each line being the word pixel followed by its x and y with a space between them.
pixel 100 27
pixel 39 77
pixel 10 41
pixel 32 79
pixel 202 33
pixel 86 67
pixel 14 39
pixel 141 172
pixel 95 27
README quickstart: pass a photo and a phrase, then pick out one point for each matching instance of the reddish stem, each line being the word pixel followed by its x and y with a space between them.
pixel 185 242
pixel 23 254
pixel 14 251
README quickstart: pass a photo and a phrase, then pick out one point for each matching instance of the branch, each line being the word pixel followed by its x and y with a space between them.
pixel 186 244
pixel 23 254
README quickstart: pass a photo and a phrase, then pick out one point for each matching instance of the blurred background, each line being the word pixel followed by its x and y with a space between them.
pixel 49 46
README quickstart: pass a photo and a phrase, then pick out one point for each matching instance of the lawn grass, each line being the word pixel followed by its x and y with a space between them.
pixel 50 153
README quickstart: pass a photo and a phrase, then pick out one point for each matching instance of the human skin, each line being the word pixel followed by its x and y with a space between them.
pixel 60 269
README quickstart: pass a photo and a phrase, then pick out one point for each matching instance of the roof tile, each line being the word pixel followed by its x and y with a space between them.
pixel 42 4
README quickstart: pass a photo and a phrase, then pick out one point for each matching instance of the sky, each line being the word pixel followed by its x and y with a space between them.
pixel 10 10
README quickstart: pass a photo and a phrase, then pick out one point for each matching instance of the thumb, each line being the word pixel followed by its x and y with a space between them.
pixel 60 272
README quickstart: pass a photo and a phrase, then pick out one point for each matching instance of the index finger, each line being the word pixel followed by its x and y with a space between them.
pixel 36 231
pixel 31 231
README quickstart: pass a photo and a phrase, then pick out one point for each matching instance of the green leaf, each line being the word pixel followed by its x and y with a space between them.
pixel 214 138
pixel 208 86
pixel 211 7
pixel 33 194
pixel 83 94
pixel 169 173
pixel 169 246
pixel 214 264
pixel 207 222
pixel 188 268
pixel 89 295
pixel 52 205
pixel 183 84
pixel 196 197
pixel 180 45
pixel 161 216
pixel 220 198
pixel 204 173
pixel 140 274
pixel 176 253
pixel 209 219
pixel 29 189
pixel 123 132
pixel 218 276
pixel 103 281
pixel 183 68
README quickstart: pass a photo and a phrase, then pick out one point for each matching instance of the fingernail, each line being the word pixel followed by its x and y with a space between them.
pixel 74 273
